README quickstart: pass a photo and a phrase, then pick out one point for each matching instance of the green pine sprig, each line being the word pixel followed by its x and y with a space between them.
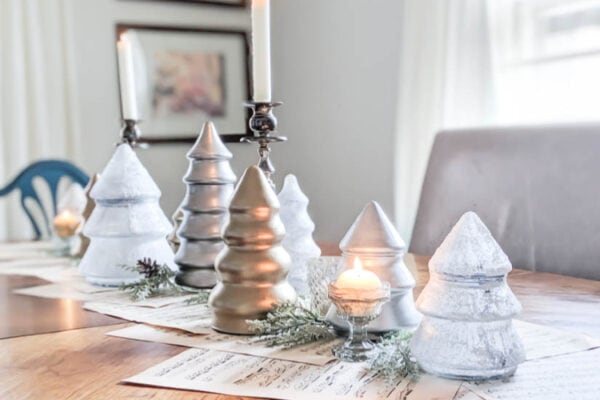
pixel 157 280
pixel 393 360
pixel 291 324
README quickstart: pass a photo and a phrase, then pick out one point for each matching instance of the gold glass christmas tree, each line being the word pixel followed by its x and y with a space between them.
pixel 253 266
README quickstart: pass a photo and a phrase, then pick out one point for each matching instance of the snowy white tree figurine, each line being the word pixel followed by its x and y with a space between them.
pixel 209 182
pixel 467 330
pixel 299 227
pixel 127 223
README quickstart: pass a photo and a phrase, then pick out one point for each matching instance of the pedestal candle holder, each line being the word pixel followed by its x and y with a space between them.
pixel 357 308
pixel 263 123
pixel 130 132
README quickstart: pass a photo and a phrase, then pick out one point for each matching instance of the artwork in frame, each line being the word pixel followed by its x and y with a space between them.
pixel 228 3
pixel 185 76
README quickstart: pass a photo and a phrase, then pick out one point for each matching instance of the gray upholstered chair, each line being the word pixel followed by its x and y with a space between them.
pixel 536 188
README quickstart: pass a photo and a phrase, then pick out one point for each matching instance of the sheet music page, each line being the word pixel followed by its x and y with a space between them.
pixel 50 269
pixel 241 375
pixel 464 393
pixel 543 341
pixel 29 256
pixel 315 353
pixel 81 291
pixel 29 250
pixel 540 341
pixel 573 376
pixel 27 246
pixel 195 318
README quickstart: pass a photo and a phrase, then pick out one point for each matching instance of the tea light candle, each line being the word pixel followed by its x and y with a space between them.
pixel 66 223
pixel 358 278
pixel 358 295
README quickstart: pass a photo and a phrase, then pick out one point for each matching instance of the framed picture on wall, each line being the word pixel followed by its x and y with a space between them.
pixel 228 3
pixel 233 3
pixel 185 76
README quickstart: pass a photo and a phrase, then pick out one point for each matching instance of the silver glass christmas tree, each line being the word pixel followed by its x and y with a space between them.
pixel 127 223
pixel 209 181
pixel 299 227
pixel 373 239
pixel 467 330
pixel 253 266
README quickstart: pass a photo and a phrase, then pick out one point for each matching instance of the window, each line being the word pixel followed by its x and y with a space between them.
pixel 547 60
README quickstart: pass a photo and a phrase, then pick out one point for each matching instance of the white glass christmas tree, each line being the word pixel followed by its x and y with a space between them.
pixel 299 227
pixel 209 182
pixel 467 330
pixel 374 239
pixel 127 223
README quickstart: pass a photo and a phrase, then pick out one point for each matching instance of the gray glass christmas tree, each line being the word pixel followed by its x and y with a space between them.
pixel 209 181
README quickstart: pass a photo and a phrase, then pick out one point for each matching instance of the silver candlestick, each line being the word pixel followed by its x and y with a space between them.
pixel 130 132
pixel 262 123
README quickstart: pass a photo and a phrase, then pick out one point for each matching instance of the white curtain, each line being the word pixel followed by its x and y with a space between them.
pixel 35 102
pixel 445 81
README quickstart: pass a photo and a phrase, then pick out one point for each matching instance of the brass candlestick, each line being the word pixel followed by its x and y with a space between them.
pixel 262 123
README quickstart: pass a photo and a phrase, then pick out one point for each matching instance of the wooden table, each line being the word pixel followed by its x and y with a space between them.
pixel 82 363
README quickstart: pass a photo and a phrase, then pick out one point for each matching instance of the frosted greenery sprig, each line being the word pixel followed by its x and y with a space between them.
pixel 393 360
pixel 291 324
pixel 157 280
pixel 200 297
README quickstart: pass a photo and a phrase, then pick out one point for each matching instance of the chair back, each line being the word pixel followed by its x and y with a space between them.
pixel 51 171
pixel 536 188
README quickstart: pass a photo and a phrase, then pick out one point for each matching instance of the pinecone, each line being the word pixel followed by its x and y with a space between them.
pixel 148 267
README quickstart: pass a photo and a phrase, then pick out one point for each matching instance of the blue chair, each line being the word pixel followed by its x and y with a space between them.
pixel 51 171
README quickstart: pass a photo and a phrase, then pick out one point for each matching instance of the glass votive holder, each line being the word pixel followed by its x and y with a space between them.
pixel 66 245
pixel 357 308
pixel 321 271
pixel 66 227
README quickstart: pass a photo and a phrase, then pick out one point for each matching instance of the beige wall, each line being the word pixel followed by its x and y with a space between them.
pixel 335 66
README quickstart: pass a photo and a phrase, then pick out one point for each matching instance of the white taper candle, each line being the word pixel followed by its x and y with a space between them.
pixel 261 50
pixel 127 79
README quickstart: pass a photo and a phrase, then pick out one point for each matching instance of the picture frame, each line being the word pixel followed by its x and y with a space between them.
pixel 222 3
pixel 187 75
